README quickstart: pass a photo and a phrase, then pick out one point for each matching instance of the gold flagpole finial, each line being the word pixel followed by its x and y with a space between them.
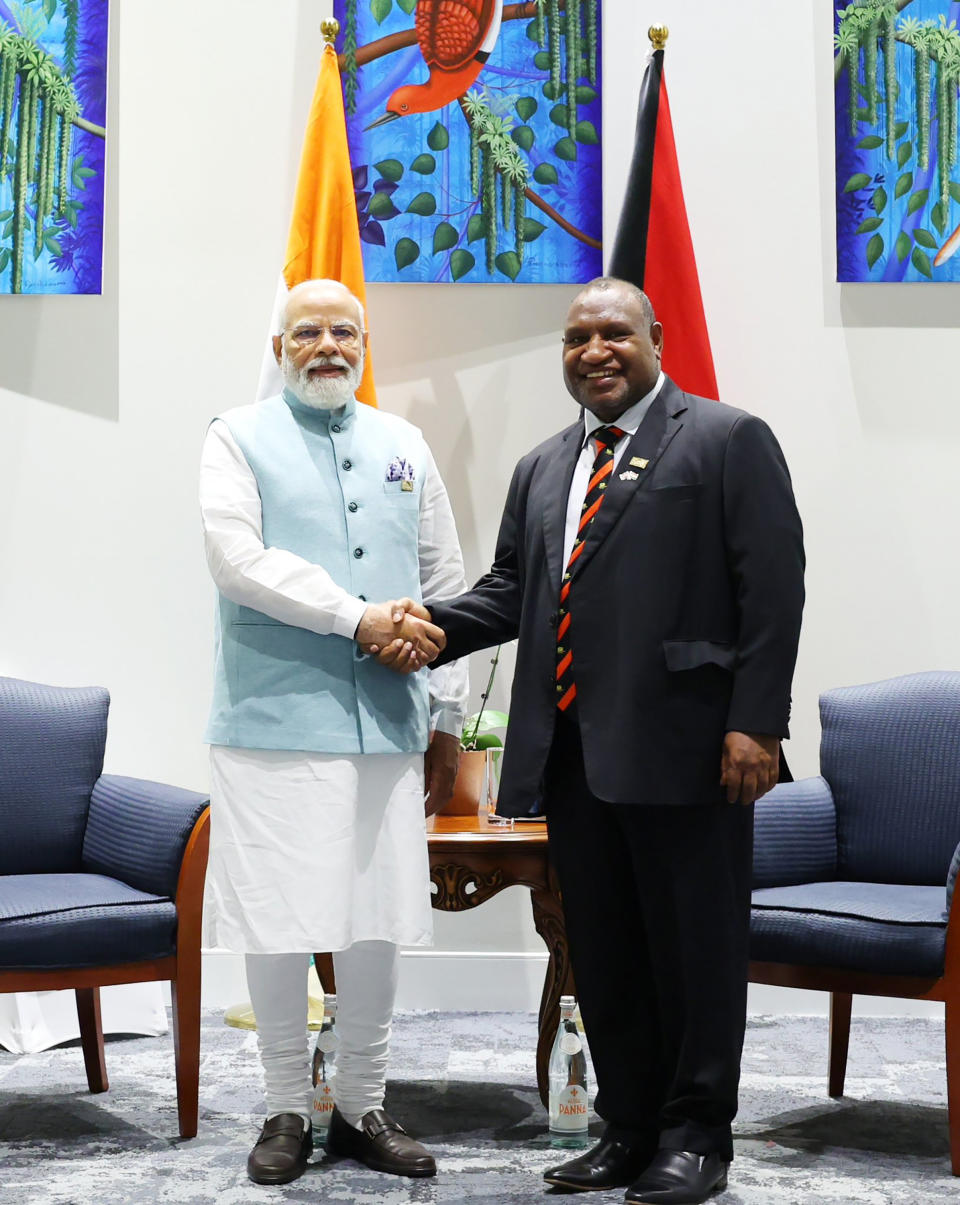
pixel 330 28
pixel 658 35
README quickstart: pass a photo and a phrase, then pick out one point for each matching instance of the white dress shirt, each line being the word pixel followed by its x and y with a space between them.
pixel 629 421
pixel 295 591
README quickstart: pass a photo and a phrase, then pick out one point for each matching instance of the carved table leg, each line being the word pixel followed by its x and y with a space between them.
pixel 548 918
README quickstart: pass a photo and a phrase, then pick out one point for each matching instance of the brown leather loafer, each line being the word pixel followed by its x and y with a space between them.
pixel 381 1143
pixel 281 1151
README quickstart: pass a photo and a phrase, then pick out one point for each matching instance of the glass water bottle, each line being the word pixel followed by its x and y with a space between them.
pixel 324 1069
pixel 569 1109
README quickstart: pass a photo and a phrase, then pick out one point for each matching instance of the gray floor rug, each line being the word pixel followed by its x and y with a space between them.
pixel 463 1084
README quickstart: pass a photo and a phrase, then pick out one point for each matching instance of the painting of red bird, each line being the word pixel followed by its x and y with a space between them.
pixel 455 38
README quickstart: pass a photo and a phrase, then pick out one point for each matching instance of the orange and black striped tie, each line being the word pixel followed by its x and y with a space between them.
pixel 607 438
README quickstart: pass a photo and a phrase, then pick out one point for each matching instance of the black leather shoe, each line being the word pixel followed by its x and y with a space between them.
pixel 282 1150
pixel 612 1163
pixel 380 1143
pixel 678 1178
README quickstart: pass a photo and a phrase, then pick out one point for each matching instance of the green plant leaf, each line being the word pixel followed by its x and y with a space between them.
pixel 545 173
pixel 407 5
pixel 524 137
pixel 918 200
pixel 902 246
pixel 874 250
pixel 531 32
pixel 7 213
pixel 405 253
pixel 489 740
pixel 476 228
pixel 8 229
pixel 489 721
pixel 921 261
pixel 424 203
pixel 381 207
pixel 424 164
pixel 904 184
pixel 587 133
pixel 938 216
pixel 859 180
pixel 49 9
pixel 585 94
pixel 559 116
pixel 438 139
pixel 904 151
pixel 541 60
pixel 460 263
pixel 879 200
pixel 380 10
pixel 869 224
pixel 444 237
pixel 551 92
pixel 509 264
pixel 925 238
pixel 532 229
pixel 390 169
pixel 566 148
pixel 4 258
pixel 953 187
pixel 901 128
pixel 526 106
pixel 870 143
pixel 51 243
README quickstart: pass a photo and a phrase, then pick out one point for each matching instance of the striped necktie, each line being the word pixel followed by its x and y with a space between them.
pixel 607 438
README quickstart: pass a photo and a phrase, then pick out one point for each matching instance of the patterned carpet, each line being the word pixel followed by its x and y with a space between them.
pixel 463 1084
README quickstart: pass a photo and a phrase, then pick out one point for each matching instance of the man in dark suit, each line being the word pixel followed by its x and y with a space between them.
pixel 650 560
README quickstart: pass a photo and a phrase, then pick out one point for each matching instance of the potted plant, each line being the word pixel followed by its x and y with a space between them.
pixel 480 733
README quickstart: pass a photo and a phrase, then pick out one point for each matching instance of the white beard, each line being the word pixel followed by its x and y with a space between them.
pixel 322 393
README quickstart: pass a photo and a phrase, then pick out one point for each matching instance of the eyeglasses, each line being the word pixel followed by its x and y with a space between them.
pixel 342 333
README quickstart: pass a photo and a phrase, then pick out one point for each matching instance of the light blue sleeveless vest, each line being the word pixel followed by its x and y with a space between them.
pixel 335 488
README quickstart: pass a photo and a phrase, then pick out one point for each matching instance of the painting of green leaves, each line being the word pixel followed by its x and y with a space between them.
pixel 53 69
pixel 474 129
pixel 897 72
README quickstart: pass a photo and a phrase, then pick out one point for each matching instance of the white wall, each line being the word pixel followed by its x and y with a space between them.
pixel 102 576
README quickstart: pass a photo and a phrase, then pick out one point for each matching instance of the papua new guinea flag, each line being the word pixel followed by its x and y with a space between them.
pixel 653 249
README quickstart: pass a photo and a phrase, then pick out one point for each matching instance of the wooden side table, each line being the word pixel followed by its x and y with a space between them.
pixel 470 862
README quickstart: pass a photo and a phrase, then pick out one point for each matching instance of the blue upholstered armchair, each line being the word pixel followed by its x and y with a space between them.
pixel 101 877
pixel 854 871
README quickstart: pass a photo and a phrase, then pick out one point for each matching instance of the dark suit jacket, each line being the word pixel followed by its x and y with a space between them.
pixel 685 605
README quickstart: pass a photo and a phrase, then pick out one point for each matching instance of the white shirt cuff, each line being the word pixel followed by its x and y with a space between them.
pixel 347 616
pixel 447 720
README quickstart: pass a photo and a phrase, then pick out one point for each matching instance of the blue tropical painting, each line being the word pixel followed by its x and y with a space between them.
pixel 897 73
pixel 53 106
pixel 474 129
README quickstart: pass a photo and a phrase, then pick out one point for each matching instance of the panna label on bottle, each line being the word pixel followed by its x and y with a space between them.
pixel 570 1044
pixel 322 1103
pixel 571 1110
pixel 326 1041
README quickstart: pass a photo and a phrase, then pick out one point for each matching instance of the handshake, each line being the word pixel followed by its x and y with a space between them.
pixel 400 635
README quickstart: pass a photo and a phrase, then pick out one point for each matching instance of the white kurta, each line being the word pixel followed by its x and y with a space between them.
pixel 312 851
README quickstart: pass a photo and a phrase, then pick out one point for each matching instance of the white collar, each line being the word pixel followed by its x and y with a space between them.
pixel 631 418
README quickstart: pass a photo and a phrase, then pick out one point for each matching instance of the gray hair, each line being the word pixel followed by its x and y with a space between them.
pixel 304 284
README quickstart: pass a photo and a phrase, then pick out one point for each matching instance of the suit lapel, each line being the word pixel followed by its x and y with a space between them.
pixel 556 492
pixel 660 424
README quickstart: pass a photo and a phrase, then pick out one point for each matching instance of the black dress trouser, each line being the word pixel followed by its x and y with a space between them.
pixel 657 908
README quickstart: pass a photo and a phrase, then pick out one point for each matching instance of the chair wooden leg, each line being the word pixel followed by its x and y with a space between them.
pixel 324 968
pixel 841 1006
pixel 185 995
pixel 91 1037
pixel 952 1020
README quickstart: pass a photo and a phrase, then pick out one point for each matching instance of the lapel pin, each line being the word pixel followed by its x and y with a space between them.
pixel 639 462
pixel 629 475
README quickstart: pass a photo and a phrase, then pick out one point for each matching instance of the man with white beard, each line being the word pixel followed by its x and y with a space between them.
pixel 313 505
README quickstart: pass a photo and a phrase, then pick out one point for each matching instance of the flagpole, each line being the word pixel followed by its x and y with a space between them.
pixel 658 35
pixel 330 28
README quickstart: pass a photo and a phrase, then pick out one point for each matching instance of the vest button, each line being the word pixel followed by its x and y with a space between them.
pixel 351 506
pixel 336 428
pixel 348 464
pixel 358 553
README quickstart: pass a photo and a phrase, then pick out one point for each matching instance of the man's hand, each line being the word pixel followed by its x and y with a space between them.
pixel 405 625
pixel 440 764
pixel 750 765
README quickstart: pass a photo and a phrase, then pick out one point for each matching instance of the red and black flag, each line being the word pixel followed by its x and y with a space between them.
pixel 653 249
